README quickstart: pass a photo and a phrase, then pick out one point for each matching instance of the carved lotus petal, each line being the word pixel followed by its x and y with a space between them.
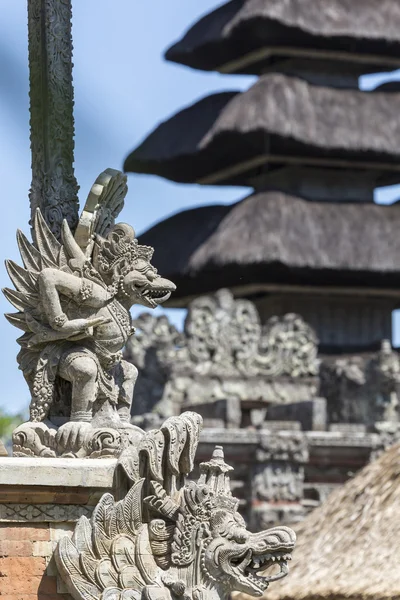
pixel 130 577
pixel 177 434
pixel 111 594
pixel 130 595
pixel 194 423
pixel 152 447
pixel 105 573
pixel 122 552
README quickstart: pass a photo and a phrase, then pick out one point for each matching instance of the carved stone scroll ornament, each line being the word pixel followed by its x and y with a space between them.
pixel 168 538
pixel 225 336
pixel 222 354
pixel 73 299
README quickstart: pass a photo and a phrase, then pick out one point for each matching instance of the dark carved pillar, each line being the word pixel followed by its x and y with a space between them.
pixel 54 188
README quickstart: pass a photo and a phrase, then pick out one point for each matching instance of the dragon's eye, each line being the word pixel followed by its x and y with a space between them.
pixel 240 536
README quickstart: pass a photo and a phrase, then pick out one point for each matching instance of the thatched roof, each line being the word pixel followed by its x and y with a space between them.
pixel 361 33
pixel 271 237
pixel 348 547
pixel 228 138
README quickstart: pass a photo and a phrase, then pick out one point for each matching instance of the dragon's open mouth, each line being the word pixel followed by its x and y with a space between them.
pixel 253 567
pixel 156 296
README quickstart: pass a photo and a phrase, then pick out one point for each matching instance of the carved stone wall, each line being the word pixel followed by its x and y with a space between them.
pixel 278 479
pixel 223 355
pixel 362 389
pixel 259 385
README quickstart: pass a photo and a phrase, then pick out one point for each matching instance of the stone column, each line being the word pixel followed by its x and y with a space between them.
pixel 54 188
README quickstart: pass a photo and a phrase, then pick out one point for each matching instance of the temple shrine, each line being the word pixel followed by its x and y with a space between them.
pixel 308 255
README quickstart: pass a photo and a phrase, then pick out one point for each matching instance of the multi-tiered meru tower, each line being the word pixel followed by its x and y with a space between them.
pixel 313 146
pixel 310 240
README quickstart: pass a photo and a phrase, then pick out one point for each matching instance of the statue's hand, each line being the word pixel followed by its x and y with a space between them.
pixel 71 436
pixel 76 326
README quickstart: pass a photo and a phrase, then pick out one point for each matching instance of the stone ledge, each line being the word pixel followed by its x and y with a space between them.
pixel 57 472
pixel 60 481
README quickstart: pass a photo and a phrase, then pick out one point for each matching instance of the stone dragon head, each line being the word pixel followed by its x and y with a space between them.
pixel 168 538
pixel 126 265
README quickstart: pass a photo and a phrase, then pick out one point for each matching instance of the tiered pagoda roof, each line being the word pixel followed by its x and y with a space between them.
pixel 312 145
pixel 227 138
pixel 272 238
pixel 257 35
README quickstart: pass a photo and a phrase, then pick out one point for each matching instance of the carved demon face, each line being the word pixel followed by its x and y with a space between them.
pixel 124 263
pixel 236 558
pixel 145 286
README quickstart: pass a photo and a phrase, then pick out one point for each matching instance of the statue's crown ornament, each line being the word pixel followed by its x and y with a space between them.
pixel 117 253
pixel 214 473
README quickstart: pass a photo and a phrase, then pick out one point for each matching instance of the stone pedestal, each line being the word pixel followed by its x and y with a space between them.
pixel 40 501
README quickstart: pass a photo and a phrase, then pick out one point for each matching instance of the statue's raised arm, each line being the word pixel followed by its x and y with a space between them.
pixel 73 299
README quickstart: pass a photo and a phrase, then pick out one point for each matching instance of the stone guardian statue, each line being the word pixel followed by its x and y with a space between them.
pixel 73 299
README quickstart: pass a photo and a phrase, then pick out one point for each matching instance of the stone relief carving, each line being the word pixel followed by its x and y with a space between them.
pixel 282 446
pixel 363 389
pixel 73 299
pixel 278 478
pixel 170 538
pixel 278 482
pixel 43 513
pixel 54 189
pixel 223 354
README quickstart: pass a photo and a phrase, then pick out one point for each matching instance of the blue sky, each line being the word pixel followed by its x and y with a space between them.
pixel 123 88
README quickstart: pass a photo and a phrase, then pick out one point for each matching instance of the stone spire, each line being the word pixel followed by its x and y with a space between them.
pixel 214 473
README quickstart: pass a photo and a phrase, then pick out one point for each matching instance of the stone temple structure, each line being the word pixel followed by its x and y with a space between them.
pixel 91 506
pixel 310 258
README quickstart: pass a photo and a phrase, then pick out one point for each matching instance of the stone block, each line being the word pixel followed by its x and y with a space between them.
pixel 57 472
pixel 44 549
pixel 220 413
pixel 15 548
pixel 23 597
pixel 348 427
pixel 59 530
pixel 312 414
pixel 282 425
pixel 21 575
pixel 23 531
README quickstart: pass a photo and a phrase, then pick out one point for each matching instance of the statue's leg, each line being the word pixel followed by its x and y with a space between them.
pixel 81 371
pixel 126 377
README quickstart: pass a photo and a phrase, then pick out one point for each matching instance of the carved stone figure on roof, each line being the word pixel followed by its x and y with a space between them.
pixel 168 538
pixel 73 299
